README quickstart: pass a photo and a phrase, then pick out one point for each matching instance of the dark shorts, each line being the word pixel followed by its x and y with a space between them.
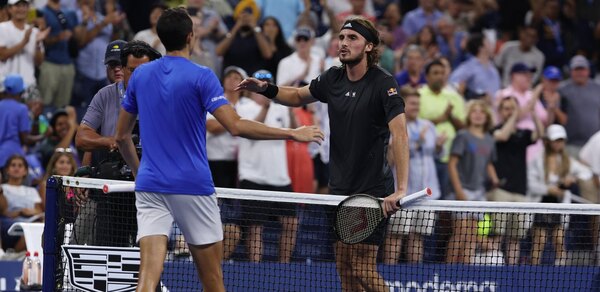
pixel 547 220
pixel 259 212
pixel 321 171
pixel 224 173
pixel 378 236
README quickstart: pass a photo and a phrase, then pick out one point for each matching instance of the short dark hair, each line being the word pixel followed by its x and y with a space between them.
pixel 474 43
pixel 173 27
pixel 436 62
pixel 138 49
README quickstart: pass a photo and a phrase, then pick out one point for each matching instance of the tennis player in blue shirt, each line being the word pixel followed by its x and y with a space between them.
pixel 173 182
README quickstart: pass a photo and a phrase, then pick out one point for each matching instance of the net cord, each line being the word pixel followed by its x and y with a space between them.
pixel 334 200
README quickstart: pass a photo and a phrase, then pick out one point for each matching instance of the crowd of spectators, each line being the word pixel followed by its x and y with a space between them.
pixel 501 95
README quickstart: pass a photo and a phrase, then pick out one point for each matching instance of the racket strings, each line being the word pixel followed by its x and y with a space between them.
pixel 357 218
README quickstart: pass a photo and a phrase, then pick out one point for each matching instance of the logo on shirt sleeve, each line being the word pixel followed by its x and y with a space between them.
pixel 215 99
pixel 392 91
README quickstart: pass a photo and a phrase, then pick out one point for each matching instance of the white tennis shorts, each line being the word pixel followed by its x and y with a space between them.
pixel 197 217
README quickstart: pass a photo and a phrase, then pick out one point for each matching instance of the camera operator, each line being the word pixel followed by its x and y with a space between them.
pixel 97 218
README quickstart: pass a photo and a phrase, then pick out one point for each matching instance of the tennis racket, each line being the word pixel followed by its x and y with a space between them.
pixel 357 217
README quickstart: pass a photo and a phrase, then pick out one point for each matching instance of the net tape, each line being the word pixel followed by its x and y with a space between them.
pixel 334 200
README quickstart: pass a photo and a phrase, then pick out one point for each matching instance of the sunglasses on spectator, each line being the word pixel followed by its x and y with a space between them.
pixel 114 65
pixel 263 76
pixel 302 39
pixel 63 150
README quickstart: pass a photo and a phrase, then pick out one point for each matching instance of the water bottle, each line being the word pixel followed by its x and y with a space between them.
pixel 27 263
pixel 36 268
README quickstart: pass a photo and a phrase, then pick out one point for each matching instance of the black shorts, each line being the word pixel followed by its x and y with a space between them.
pixel 547 220
pixel 224 173
pixel 378 236
pixel 321 171
pixel 258 212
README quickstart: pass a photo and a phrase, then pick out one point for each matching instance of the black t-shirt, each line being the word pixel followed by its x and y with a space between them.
pixel 511 162
pixel 359 113
pixel 244 53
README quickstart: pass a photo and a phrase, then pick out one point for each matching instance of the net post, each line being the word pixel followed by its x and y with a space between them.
pixel 50 230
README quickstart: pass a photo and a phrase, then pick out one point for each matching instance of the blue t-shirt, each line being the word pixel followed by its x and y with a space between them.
pixel 58 21
pixel 14 119
pixel 172 96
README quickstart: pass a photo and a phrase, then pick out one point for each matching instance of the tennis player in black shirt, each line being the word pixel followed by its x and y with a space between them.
pixel 364 109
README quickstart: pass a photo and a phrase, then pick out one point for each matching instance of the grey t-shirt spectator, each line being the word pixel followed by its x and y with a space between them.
pixel 511 54
pixel 583 110
pixel 103 112
pixel 474 154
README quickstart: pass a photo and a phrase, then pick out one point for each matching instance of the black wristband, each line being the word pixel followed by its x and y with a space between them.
pixel 271 91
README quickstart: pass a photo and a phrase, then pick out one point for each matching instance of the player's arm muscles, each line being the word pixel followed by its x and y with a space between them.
pixel 399 147
pixel 88 139
pixel 125 126
pixel 294 96
pixel 250 129
pixel 255 130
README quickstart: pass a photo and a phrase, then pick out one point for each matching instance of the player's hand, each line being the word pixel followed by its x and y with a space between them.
pixel 390 203
pixel 308 134
pixel 81 196
pixel 252 84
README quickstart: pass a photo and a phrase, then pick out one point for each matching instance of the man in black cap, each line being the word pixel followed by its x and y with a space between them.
pixel 96 134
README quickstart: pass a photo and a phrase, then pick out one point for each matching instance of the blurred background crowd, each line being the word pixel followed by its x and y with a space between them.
pixel 502 98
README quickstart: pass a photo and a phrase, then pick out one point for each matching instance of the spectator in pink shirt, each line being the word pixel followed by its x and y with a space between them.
pixel 521 77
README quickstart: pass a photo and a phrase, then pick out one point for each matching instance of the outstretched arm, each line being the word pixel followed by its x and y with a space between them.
pixel 289 96
pixel 259 131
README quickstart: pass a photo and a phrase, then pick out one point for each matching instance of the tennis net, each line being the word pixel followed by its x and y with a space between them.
pixel 277 241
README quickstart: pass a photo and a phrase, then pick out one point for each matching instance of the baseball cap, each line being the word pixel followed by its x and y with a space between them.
pixel 521 68
pixel 579 61
pixel 552 73
pixel 263 75
pixel 555 132
pixel 304 32
pixel 113 51
pixel 13 84
pixel 236 69
pixel 13 2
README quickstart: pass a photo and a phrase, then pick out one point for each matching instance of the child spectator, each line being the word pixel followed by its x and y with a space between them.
pixel 471 157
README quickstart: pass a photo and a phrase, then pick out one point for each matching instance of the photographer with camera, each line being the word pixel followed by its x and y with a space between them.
pixel 245 45
pixel 96 134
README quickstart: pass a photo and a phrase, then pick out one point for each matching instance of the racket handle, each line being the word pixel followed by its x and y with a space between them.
pixel 414 197
pixel 118 188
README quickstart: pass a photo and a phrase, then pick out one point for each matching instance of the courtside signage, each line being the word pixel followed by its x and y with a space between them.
pixel 102 268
